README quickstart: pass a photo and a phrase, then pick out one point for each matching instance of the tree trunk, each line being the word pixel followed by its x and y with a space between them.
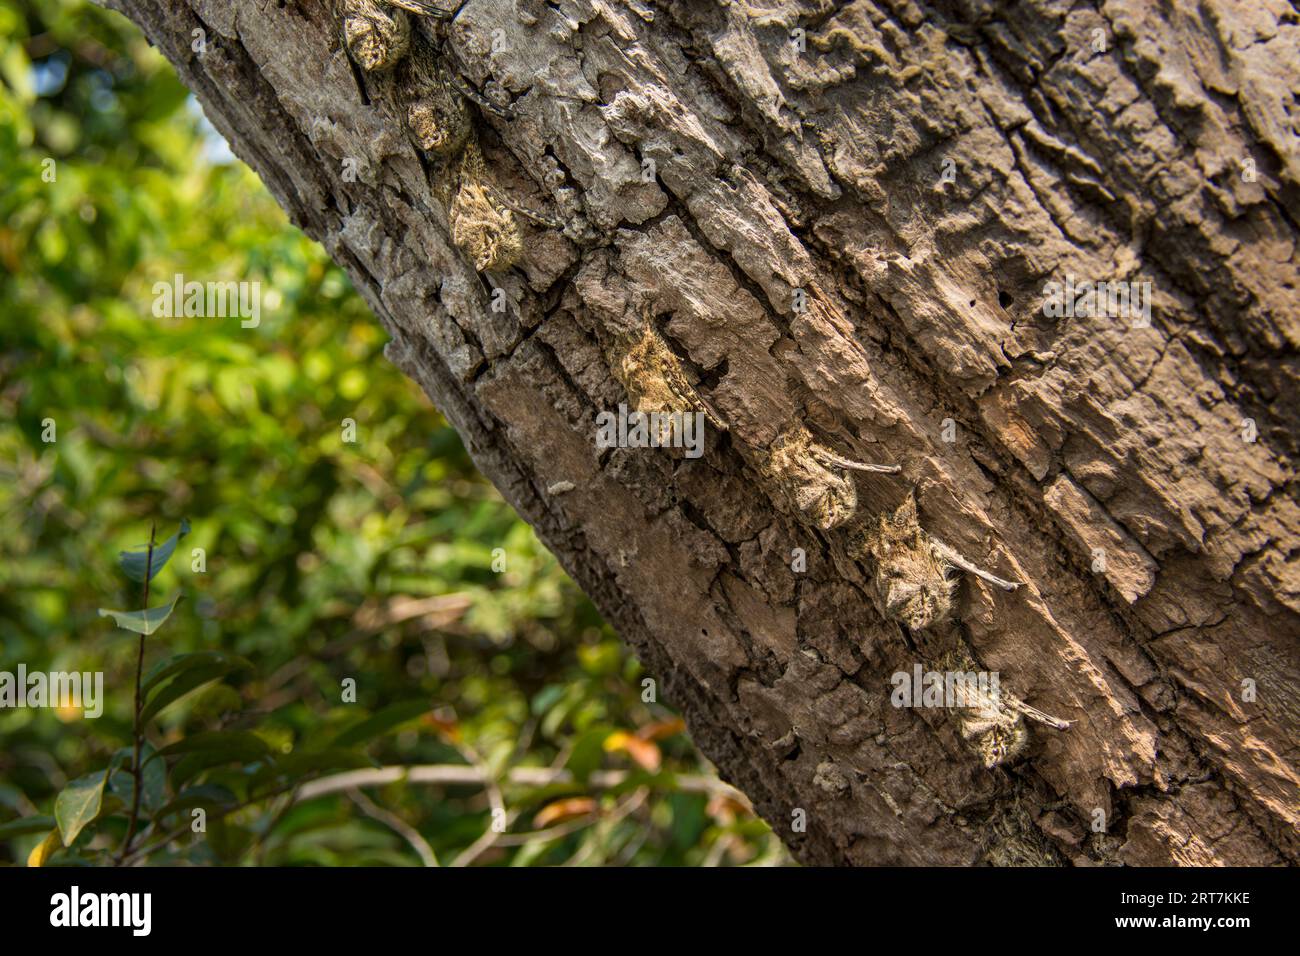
pixel 846 217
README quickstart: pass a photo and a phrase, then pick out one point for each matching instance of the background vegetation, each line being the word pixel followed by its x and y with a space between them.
pixel 325 560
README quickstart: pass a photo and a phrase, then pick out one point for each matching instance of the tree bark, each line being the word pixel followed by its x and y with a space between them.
pixel 853 227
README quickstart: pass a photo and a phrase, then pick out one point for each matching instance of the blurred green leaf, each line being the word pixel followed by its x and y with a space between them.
pixel 25 825
pixel 208 796
pixel 588 752
pixel 392 716
pixel 302 763
pixel 194 672
pixel 182 663
pixel 237 745
pixel 547 698
pixel 208 749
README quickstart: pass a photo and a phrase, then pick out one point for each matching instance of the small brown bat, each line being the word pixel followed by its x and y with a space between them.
pixel 993 720
pixel 913 579
pixel 376 34
pixel 481 224
pixel 655 379
pixel 810 478
pixel 436 113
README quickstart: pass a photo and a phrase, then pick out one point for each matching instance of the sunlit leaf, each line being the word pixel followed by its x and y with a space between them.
pixel 644 752
pixel 444 725
pixel 662 729
pixel 142 622
pixel 45 849
pixel 560 811
pixel 726 809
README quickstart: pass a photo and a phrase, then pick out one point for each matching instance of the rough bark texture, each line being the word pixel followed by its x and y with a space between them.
pixel 821 169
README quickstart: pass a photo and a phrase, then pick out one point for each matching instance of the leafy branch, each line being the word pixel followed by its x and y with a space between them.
pixel 136 735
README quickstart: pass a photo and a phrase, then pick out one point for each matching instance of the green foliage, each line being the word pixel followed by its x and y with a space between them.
pixel 309 564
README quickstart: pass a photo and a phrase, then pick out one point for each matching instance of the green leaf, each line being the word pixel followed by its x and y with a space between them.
pixel 191 765
pixel 588 752
pixel 208 796
pixel 78 803
pixel 211 749
pixel 193 671
pixel 136 561
pixel 380 723
pixel 546 698
pixel 227 840
pixel 689 818
pixel 178 689
pixel 25 825
pixel 172 666
pixel 142 622
pixel 44 850
pixel 155 779
pixel 122 784
pixel 231 744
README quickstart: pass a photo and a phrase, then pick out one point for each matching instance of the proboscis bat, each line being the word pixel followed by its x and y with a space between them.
pixel 808 476
pixel 653 377
pixel 436 114
pixel 913 577
pixel 480 223
pixel 992 720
